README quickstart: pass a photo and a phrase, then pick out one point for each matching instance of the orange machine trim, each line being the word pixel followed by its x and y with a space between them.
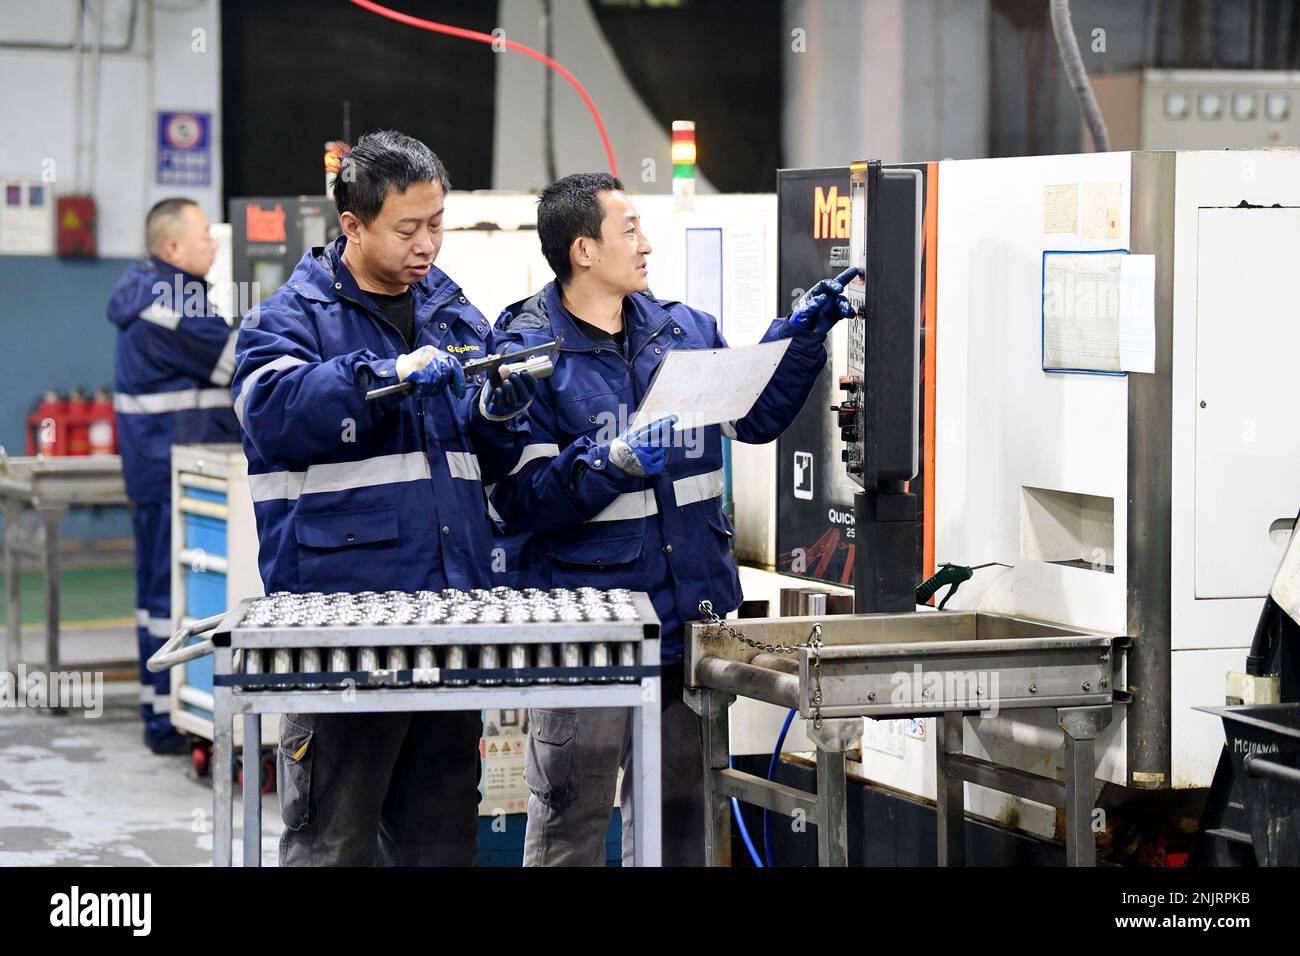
pixel 931 243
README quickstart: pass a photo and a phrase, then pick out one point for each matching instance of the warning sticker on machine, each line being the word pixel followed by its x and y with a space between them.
pixel 885 736
pixel 502 746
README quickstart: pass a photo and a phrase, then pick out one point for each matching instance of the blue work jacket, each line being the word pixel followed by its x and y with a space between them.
pixel 357 495
pixel 590 523
pixel 172 369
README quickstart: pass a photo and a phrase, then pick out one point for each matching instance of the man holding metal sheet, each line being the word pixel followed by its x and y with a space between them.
pixel 373 495
pixel 640 509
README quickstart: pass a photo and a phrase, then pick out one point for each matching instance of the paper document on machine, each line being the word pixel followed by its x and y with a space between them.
pixel 1286 583
pixel 710 386
pixel 1098 312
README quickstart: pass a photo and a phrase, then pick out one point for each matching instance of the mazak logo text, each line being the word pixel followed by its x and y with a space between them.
pixel 831 213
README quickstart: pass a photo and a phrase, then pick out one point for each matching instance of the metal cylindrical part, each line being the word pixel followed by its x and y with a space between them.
pixel 489 658
pixel 813 603
pixel 519 659
pixel 455 659
pixel 282 663
pixel 367 659
pixel 600 657
pixel 309 662
pixel 746 680
pixel 424 659
pixel 545 658
pixel 398 659
pixel 340 660
pixel 254 663
pixel 627 657
pixel 571 656
pixel 775 662
pixel 1256 765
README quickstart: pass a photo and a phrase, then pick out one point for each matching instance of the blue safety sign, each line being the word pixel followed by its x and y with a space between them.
pixel 184 149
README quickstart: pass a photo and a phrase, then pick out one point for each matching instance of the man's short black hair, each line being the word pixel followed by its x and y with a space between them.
pixel 383 161
pixel 164 221
pixel 569 208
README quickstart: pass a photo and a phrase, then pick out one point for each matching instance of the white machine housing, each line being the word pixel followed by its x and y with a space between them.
pixel 1178 489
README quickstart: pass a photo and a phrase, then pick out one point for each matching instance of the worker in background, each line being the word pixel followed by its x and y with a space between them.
pixel 175 356
pixel 357 495
pixel 639 510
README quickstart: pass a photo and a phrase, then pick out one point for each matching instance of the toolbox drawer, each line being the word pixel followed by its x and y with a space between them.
pixel 205 593
pixel 206 534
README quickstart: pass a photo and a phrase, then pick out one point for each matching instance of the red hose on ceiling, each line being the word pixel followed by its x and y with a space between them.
pixel 435 27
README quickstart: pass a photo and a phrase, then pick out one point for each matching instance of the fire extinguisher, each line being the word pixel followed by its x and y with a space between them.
pixel 45 426
pixel 76 423
pixel 102 430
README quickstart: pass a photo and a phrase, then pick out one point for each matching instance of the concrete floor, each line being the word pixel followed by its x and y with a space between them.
pixel 86 791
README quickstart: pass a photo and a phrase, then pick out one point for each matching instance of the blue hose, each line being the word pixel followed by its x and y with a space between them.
pixel 744 831
pixel 771 775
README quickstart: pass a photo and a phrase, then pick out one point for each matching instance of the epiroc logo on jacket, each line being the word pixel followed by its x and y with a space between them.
pixel 600 527
pixel 174 360
pixel 353 495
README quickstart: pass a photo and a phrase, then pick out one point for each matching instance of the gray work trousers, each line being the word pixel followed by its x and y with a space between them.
pixel 571 766
pixel 386 789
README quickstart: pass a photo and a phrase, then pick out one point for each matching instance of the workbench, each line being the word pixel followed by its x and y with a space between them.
pixel 47 488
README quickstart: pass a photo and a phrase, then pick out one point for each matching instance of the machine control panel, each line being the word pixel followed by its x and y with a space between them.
pixel 849 414
pixel 848 418
pixel 878 412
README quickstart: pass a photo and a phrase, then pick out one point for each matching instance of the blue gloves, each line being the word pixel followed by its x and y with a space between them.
pixel 823 305
pixel 429 373
pixel 643 453
pixel 508 399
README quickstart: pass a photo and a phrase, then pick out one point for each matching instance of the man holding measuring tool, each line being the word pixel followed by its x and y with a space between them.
pixel 640 506
pixel 367 455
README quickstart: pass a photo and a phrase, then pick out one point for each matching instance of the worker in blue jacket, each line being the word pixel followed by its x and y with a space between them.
pixel 175 356
pixel 612 507
pixel 357 495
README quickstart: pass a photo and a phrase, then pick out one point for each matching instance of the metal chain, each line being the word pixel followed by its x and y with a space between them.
pixel 814 644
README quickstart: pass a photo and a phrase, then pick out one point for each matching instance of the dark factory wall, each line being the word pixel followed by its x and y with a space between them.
pixel 289 66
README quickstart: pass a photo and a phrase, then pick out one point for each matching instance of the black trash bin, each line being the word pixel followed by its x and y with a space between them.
pixel 1263 742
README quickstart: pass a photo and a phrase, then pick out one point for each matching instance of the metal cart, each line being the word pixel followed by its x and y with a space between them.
pixel 449 650
pixel 949 665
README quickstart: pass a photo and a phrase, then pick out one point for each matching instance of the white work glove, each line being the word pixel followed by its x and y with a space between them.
pixel 411 361
pixel 430 372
